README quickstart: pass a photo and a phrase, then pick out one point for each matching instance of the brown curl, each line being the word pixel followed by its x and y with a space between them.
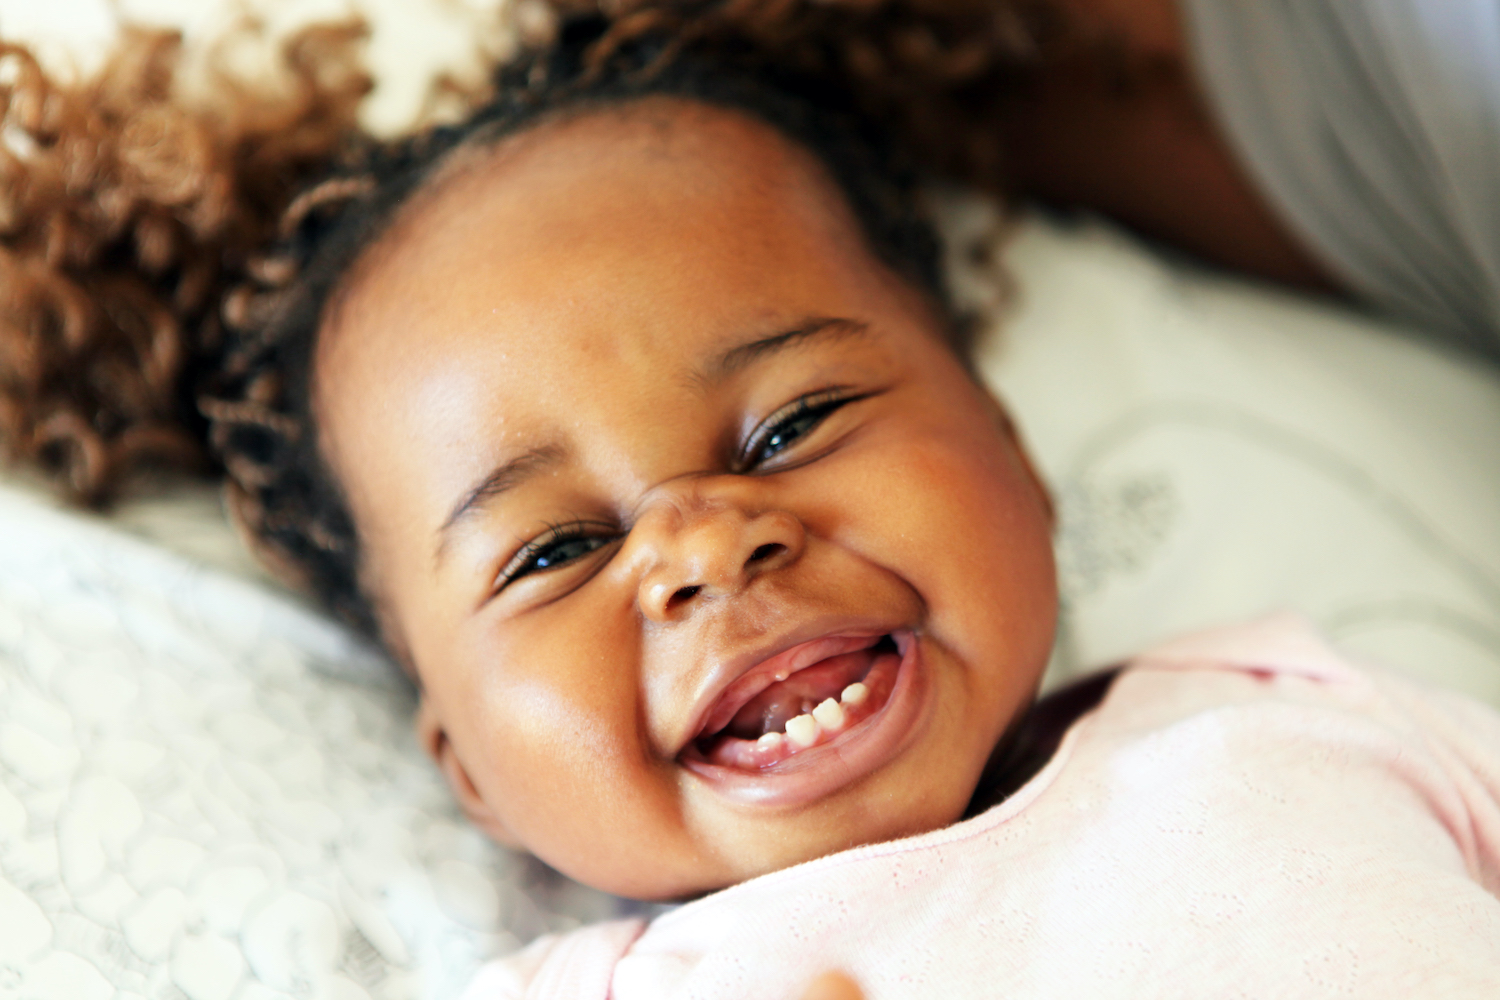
pixel 127 212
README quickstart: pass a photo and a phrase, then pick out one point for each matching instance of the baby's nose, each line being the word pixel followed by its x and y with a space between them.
pixel 711 548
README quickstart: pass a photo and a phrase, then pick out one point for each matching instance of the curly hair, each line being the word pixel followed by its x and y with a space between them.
pixel 126 212
pixel 164 281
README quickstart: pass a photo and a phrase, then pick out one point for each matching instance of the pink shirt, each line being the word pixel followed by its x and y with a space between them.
pixel 1244 815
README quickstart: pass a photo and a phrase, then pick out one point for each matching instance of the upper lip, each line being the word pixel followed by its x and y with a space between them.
pixel 751 672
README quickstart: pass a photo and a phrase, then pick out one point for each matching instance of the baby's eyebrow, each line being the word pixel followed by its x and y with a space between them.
pixel 510 474
pixel 739 356
pixel 503 477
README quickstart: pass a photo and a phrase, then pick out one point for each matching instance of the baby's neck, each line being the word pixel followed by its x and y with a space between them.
pixel 1033 738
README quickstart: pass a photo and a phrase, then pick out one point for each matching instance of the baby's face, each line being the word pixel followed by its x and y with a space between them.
pixel 708 555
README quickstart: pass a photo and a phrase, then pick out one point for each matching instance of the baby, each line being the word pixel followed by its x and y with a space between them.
pixel 632 418
pixel 661 469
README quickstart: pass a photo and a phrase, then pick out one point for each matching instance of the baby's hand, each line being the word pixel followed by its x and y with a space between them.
pixel 833 986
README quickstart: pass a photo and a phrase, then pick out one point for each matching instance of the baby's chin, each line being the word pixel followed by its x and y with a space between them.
pixel 836 839
pixel 872 762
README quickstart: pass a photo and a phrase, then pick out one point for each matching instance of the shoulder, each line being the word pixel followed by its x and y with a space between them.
pixel 1271 703
pixel 1274 679
pixel 1277 658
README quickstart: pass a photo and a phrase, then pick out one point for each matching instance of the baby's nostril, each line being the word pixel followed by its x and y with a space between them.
pixel 683 594
pixel 764 552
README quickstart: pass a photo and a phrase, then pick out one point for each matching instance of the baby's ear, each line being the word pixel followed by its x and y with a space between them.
pixel 434 739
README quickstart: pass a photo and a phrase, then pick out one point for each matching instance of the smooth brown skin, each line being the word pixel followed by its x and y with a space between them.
pixel 561 292
pixel 1120 125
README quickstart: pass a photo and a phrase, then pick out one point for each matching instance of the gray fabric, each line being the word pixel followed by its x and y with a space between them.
pixel 1373 127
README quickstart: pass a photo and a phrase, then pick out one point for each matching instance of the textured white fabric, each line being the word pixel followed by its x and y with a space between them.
pixel 1244 816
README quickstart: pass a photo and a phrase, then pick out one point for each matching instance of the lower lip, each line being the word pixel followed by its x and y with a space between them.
pixel 853 754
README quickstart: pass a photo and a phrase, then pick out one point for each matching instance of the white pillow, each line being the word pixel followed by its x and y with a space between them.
pixel 1219 449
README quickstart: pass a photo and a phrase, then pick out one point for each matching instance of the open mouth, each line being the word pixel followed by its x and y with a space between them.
pixel 803 698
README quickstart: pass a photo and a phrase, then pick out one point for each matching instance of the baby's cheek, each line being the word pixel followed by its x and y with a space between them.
pixel 977 545
pixel 549 723
pixel 541 755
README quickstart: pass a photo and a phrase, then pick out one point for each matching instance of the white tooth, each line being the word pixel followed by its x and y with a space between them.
pixel 783 675
pixel 770 741
pixel 830 715
pixel 855 694
pixel 802 730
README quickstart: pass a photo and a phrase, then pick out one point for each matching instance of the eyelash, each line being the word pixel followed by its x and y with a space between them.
pixel 530 557
pixel 817 405
pixel 533 556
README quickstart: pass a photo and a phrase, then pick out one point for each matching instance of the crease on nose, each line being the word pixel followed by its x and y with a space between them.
pixel 714 552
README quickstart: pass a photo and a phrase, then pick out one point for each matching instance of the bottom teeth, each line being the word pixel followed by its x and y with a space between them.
pixel 829 716
pixel 816 721
pixel 802 731
pixel 835 719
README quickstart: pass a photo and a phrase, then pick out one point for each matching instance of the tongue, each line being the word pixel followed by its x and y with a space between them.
pixel 768 711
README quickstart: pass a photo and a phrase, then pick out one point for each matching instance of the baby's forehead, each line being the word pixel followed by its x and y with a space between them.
pixel 614 195
pixel 654 152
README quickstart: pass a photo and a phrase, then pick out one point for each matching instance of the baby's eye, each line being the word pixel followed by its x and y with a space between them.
pixel 789 424
pixel 556 548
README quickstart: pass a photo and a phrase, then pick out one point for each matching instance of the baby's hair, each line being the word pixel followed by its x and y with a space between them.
pixel 240 377
pixel 126 211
